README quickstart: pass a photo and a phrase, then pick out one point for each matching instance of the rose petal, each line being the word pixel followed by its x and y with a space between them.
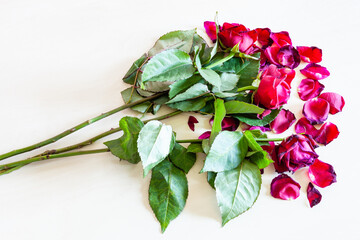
pixel 269 148
pixel 284 187
pixel 205 135
pixel 309 89
pixel 282 121
pixel 281 38
pixel 310 54
pixel 210 28
pixel 315 71
pixel 261 128
pixel 191 122
pixel 313 195
pixel 304 126
pixel 322 174
pixel 316 110
pixel 335 100
pixel 230 124
pixel 327 133
pixel 264 36
pixel 288 56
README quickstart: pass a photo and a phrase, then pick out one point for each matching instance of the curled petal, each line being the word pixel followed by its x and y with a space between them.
pixel 261 128
pixel 304 126
pixel 271 54
pixel 322 174
pixel 264 36
pixel 284 187
pixel 205 135
pixel 288 73
pixel 327 133
pixel 313 195
pixel 316 110
pixel 210 28
pixel 310 54
pixel 288 56
pixel 282 121
pixel 335 100
pixel 315 71
pixel 281 38
pixel 309 89
pixel 191 122
pixel 228 123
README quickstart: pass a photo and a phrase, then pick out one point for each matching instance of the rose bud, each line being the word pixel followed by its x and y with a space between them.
pixel 295 152
pixel 284 187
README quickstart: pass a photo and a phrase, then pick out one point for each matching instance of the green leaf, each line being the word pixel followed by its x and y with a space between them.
pixel 248 71
pixel 218 118
pixel 168 66
pixel 228 82
pixel 181 85
pixel 125 147
pixel 181 158
pixel 209 75
pixel 194 91
pixel 211 178
pixel 252 119
pixel 199 42
pixel 131 74
pixel 168 192
pixel 253 145
pixel 237 190
pixel 182 40
pixel 205 144
pixel 233 107
pixel 154 144
pixel 189 105
pixel 194 148
pixel 261 159
pixel 227 152
pixel 129 92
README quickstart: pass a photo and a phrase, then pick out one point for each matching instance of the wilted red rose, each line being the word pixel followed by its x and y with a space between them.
pixel 295 152
pixel 274 88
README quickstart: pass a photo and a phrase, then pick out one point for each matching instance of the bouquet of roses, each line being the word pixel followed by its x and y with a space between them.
pixel 242 80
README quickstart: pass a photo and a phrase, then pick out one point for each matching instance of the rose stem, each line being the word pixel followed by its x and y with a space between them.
pixel 77 127
pixel 102 135
pixel 269 139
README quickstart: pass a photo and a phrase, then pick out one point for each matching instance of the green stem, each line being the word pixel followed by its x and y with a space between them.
pixel 246 88
pixel 269 139
pixel 7 168
pixel 189 141
pixel 76 128
pixel 221 61
pixel 102 135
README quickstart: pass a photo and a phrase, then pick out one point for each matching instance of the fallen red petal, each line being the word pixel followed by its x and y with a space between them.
pixel 310 54
pixel 230 124
pixel 335 100
pixel 327 133
pixel 264 36
pixel 283 121
pixel 210 28
pixel 313 195
pixel 322 174
pixel 191 122
pixel 288 56
pixel 205 135
pixel 316 110
pixel 309 89
pixel 281 38
pixel 304 126
pixel 315 71
pixel 284 187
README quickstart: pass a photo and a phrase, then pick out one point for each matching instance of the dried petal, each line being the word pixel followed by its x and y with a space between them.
pixel 316 110
pixel 310 54
pixel 205 135
pixel 210 28
pixel 309 89
pixel 327 133
pixel 191 122
pixel 228 123
pixel 288 56
pixel 315 71
pixel 284 187
pixel 322 174
pixel 304 126
pixel 335 100
pixel 282 121
pixel 313 195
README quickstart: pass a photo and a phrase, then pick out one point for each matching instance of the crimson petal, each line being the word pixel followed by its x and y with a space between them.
pixel 315 71
pixel 205 135
pixel 210 28
pixel 281 38
pixel 230 124
pixel 310 54
pixel 316 110
pixel 264 36
pixel 335 100
pixel 288 56
pixel 327 133
pixel 309 89
pixel 322 174
pixel 313 195
pixel 284 187
pixel 282 121
pixel 304 126
pixel 191 122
